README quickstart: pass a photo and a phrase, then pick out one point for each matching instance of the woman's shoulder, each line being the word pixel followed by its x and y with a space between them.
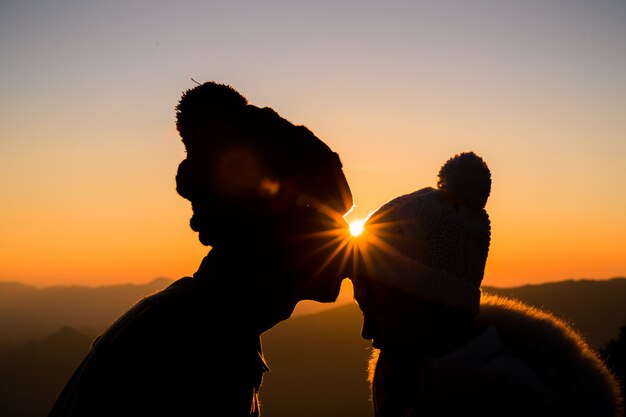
pixel 527 329
pixel 555 350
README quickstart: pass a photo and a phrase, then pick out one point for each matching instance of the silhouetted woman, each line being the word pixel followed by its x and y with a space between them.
pixel 446 349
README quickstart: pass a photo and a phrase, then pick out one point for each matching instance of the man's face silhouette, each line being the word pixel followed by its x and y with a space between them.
pixel 305 258
pixel 317 246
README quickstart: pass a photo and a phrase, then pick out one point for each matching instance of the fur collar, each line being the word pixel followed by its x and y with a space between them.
pixel 526 359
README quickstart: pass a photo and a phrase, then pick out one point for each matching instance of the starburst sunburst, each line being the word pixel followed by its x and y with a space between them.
pixel 356 227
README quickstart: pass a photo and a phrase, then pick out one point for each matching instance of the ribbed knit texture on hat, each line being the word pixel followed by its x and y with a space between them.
pixel 434 246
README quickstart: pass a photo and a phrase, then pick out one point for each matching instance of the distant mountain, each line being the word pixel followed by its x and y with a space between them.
pixel 34 375
pixel 28 312
pixel 596 308
pixel 318 366
pixel 318 361
pixel 11 290
pixel 62 303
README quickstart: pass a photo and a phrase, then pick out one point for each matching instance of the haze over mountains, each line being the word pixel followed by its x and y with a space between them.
pixel 318 359
pixel 596 308
pixel 27 312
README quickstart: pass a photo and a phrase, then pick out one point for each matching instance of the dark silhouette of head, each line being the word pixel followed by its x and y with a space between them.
pixel 262 188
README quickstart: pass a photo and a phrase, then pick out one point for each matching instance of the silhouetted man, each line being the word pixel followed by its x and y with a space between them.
pixel 268 197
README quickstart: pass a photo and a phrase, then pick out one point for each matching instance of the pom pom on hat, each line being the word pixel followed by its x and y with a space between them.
pixel 207 103
pixel 466 179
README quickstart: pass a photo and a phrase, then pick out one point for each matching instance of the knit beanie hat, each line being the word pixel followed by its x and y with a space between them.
pixel 434 243
pixel 234 148
pixel 246 166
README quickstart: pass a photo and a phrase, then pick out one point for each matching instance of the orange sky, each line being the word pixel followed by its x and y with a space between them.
pixel 88 148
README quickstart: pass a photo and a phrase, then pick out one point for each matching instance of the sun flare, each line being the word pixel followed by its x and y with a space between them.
pixel 356 227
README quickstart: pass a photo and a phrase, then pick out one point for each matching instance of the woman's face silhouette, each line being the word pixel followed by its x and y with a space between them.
pixel 392 319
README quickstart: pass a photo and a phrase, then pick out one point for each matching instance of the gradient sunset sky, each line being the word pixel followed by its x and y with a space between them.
pixel 89 150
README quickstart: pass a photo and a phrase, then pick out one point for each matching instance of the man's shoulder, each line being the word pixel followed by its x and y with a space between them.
pixel 186 313
pixel 154 316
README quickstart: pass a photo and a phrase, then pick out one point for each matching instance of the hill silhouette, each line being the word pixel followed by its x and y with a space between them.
pixel 27 312
pixel 596 308
pixel 318 366
pixel 33 375
pixel 318 361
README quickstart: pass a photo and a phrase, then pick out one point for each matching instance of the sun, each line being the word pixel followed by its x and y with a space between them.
pixel 356 227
